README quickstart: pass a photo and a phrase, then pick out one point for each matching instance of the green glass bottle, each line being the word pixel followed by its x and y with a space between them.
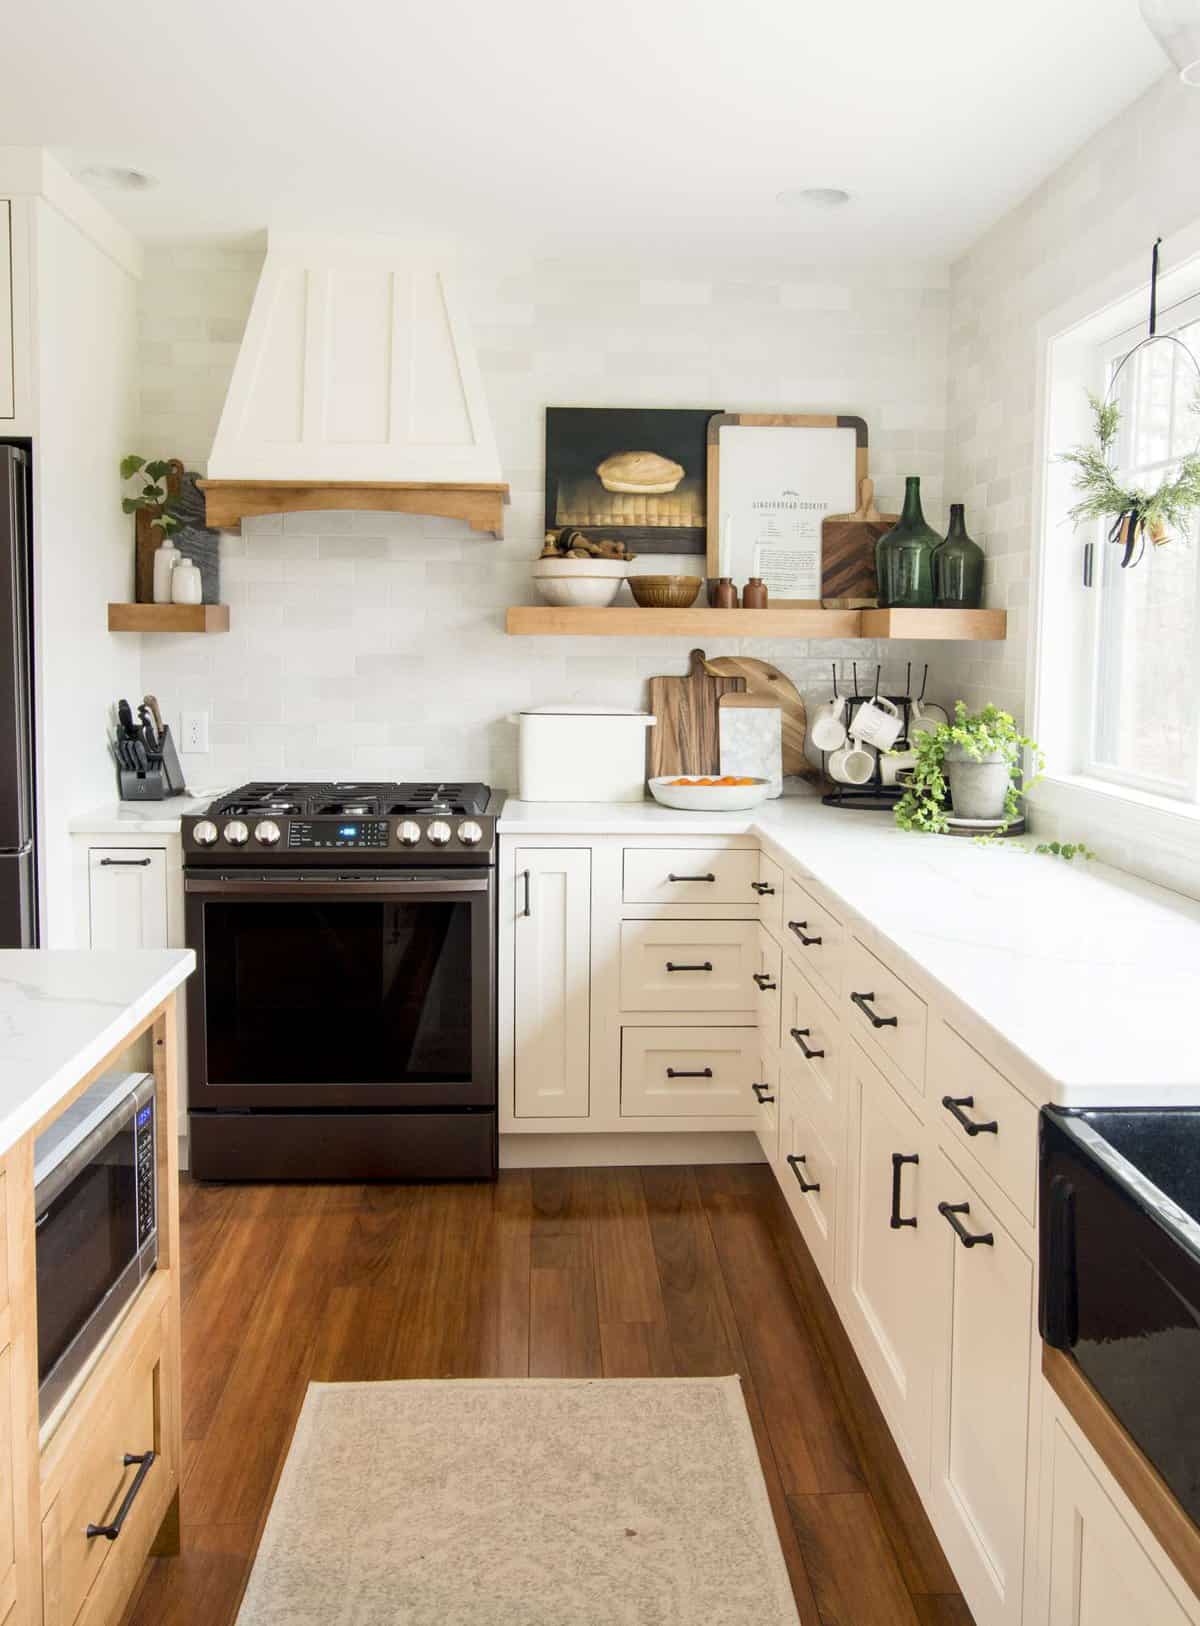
pixel 958 567
pixel 904 556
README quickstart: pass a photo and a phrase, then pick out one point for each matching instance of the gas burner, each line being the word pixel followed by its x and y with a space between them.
pixel 365 807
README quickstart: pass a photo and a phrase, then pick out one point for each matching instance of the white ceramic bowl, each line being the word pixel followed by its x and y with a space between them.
pixel 708 798
pixel 579 583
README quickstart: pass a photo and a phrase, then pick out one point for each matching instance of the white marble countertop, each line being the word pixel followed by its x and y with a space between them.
pixel 62 1011
pixel 139 818
pixel 1092 975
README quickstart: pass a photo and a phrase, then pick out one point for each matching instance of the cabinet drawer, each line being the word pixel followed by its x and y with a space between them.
pixel 689 965
pixel 813 1048
pixel 688 1072
pixel 967 1091
pixel 769 890
pixel 767 979
pixel 816 937
pixel 766 1090
pixel 808 1174
pixel 885 1014
pixel 691 875
pixel 125 1406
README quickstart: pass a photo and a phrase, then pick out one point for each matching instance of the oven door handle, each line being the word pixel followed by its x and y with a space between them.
pixel 379 886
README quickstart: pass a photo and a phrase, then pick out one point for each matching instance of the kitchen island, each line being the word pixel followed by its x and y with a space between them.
pixel 67 1018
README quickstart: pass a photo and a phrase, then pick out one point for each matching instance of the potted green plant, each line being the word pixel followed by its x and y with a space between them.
pixel 973 765
pixel 1137 515
pixel 153 495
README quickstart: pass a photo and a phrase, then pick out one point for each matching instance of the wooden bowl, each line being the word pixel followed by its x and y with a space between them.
pixel 665 592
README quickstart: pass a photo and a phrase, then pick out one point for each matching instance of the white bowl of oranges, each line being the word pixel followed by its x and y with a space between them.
pixel 705 793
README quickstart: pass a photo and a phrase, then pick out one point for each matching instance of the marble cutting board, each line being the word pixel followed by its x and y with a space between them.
pixel 751 734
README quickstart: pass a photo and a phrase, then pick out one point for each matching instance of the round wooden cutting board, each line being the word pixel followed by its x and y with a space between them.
pixel 767 682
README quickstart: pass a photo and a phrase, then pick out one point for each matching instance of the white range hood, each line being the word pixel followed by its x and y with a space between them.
pixel 356 386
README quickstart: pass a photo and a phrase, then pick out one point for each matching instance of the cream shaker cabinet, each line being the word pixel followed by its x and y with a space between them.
pixel 551 981
pixel 127 898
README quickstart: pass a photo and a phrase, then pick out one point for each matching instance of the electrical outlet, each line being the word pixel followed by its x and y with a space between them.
pixel 193 733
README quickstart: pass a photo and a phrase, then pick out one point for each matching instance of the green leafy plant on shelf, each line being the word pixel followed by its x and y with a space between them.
pixel 1138 515
pixel 925 804
pixel 153 493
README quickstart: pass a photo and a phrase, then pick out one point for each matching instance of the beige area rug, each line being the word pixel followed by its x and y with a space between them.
pixel 522 1502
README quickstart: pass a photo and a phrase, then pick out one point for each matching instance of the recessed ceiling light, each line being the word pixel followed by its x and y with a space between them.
pixel 812 197
pixel 115 178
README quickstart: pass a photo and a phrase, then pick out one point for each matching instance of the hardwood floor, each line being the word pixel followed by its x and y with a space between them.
pixel 658 1272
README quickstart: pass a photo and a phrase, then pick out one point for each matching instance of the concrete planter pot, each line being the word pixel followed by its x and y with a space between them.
pixel 978 785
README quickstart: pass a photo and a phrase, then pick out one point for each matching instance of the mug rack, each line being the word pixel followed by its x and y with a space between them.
pixel 874 796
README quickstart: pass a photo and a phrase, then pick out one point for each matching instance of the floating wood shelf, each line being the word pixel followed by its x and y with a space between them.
pixel 168 618
pixel 623 621
pixel 480 504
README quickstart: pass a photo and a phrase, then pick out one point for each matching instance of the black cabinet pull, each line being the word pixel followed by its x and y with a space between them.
pixel 705 1072
pixel 125 863
pixel 759 1096
pixel 800 1034
pixel 795 1159
pixel 798 926
pixel 876 1020
pixel 691 877
pixel 707 966
pixel 953 1103
pixel 967 1238
pixel 110 1532
pixel 899 1159
pixel 527 911
pixel 764 981
pixel 763 888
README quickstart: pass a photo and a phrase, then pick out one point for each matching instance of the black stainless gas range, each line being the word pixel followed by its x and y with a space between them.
pixel 342 1019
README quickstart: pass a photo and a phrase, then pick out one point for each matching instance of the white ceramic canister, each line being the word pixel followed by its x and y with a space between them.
pixel 166 557
pixel 582 754
pixel 187 585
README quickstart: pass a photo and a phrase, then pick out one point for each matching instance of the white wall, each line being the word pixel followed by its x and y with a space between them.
pixel 85 367
pixel 1133 181
pixel 373 645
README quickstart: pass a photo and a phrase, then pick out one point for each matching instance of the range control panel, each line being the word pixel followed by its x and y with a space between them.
pixel 332 833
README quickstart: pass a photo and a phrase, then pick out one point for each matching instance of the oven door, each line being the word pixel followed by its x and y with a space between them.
pixel 318 991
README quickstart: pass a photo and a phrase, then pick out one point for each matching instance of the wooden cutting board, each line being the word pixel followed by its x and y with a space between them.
pixel 768 683
pixel 686 738
pixel 848 553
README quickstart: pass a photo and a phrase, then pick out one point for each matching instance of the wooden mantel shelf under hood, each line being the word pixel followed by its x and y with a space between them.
pixel 356 385
pixel 480 503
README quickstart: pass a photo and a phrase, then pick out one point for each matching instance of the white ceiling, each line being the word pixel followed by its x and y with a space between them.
pixel 603 126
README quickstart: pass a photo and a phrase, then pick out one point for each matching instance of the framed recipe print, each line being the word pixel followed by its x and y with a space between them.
pixel 630 474
pixel 773 479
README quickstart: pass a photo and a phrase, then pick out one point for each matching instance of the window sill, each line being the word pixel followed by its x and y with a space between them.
pixel 1132 818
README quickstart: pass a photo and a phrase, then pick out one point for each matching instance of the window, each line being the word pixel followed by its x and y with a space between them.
pixel 1143 730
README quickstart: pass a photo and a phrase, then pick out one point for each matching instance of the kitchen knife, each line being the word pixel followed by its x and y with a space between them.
pixel 126 718
pixel 151 704
pixel 149 733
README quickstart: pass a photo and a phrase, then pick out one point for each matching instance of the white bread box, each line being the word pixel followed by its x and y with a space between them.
pixel 582 754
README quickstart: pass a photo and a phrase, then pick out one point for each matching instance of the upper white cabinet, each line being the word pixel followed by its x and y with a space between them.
pixel 551 981
pixel 889 1297
pixel 8 390
pixel 981 1395
pixel 127 898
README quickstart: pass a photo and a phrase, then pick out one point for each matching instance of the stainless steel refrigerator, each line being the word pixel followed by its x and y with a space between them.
pixel 18 848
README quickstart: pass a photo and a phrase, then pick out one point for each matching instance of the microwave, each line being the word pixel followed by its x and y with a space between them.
pixel 96 1202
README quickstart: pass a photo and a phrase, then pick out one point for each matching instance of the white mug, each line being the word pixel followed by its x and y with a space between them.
pixel 852 765
pixel 827 730
pixel 893 763
pixel 921 718
pixel 878 723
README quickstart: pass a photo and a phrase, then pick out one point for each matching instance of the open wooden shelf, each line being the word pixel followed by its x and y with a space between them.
pixel 625 621
pixel 168 618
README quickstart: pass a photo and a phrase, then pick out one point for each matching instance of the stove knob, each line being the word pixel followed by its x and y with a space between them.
pixel 236 833
pixel 204 833
pixel 408 833
pixel 267 832
pixel 439 832
pixel 470 834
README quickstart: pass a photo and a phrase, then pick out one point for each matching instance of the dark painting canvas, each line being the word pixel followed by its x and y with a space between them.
pixel 634 474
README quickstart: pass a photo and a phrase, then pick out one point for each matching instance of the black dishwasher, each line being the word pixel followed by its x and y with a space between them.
pixel 1120 1271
